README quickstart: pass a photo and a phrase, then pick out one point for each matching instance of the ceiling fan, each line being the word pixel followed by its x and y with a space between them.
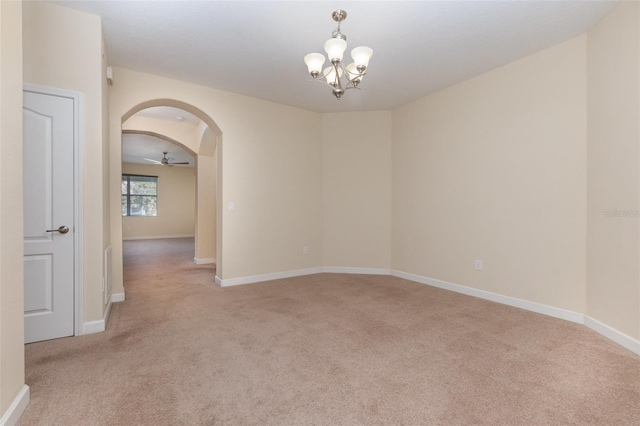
pixel 165 161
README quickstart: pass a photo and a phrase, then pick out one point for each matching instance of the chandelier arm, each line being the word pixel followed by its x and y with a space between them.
pixel 321 77
pixel 349 86
pixel 351 76
pixel 321 82
pixel 352 87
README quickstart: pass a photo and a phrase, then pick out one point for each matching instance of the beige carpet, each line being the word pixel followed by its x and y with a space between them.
pixel 325 349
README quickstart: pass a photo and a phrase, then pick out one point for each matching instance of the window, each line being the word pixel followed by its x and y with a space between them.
pixel 139 195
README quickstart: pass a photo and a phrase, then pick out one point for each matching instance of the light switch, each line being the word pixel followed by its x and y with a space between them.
pixel 232 206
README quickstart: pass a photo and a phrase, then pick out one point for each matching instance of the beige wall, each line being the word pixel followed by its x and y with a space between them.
pixel 11 273
pixel 62 48
pixel 176 203
pixel 271 156
pixel 206 235
pixel 613 275
pixel 494 169
pixel 356 189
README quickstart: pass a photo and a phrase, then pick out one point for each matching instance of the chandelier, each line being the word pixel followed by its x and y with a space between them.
pixel 338 77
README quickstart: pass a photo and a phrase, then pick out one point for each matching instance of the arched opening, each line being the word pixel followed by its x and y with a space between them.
pixel 206 149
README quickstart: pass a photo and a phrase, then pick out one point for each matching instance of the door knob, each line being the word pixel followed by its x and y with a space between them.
pixel 63 229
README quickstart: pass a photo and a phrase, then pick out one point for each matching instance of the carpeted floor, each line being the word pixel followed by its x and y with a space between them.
pixel 327 349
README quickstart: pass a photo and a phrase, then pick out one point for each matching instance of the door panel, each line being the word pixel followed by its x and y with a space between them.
pixel 48 204
pixel 38 161
pixel 38 273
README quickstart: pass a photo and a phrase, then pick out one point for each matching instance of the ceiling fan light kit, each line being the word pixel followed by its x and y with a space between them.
pixel 166 161
pixel 339 77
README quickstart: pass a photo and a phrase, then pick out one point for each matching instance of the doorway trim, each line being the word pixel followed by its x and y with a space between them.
pixel 76 97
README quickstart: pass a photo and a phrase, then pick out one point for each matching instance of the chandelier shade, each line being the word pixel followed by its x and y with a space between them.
pixel 314 62
pixel 335 48
pixel 361 56
pixel 336 72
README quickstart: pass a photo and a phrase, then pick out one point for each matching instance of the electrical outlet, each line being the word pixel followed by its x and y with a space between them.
pixel 478 265
pixel 305 250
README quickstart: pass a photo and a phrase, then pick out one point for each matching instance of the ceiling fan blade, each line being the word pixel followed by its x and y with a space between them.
pixel 153 161
pixel 184 162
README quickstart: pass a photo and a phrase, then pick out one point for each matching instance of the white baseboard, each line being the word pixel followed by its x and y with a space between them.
pixel 300 272
pixel 117 297
pixel 268 277
pixel 495 297
pixel 622 339
pixel 98 326
pixel 218 280
pixel 347 270
pixel 205 261
pixel 157 237
pixel 92 327
pixel 17 407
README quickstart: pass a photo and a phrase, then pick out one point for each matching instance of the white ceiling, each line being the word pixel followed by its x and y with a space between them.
pixel 136 147
pixel 256 48
pixel 170 114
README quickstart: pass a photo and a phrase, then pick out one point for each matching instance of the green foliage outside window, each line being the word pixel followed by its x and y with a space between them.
pixel 139 195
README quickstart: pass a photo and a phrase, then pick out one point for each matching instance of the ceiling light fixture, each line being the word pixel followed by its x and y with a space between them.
pixel 334 74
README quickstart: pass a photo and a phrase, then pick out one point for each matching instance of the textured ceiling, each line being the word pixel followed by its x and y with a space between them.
pixel 256 48
pixel 170 114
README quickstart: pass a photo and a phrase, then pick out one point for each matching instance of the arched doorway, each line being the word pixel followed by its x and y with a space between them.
pixel 207 152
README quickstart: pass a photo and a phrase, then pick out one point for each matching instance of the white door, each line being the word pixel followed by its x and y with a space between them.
pixel 48 216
